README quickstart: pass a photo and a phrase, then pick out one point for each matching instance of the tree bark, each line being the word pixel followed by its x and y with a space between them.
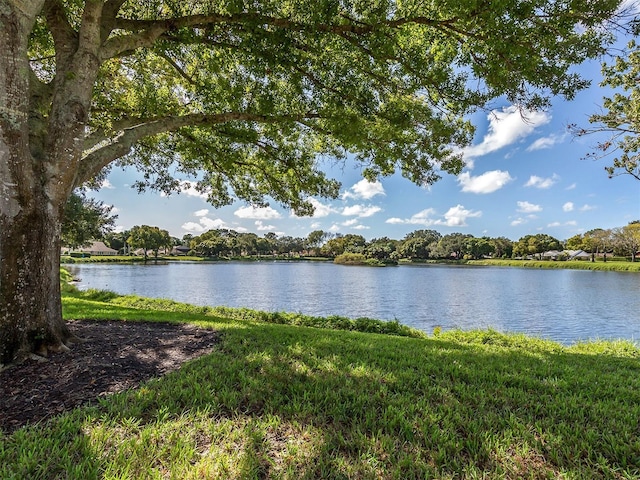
pixel 30 208
pixel 30 310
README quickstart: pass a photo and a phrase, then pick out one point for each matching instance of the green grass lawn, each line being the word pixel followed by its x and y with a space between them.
pixel 276 400
pixel 611 266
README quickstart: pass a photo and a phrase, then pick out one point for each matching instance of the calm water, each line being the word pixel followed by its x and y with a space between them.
pixel 564 305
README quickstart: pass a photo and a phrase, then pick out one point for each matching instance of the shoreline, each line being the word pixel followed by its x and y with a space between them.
pixel 609 266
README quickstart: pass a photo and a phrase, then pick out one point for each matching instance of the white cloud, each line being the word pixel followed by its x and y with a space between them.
pixel 571 223
pixel 365 189
pixel 119 229
pixel 457 216
pixel 113 210
pixel 334 228
pixel 213 223
pixel 518 221
pixel 354 224
pixel 526 207
pixel 546 142
pixel 543 183
pixel 201 213
pixel 361 211
pixel 488 182
pixel 421 218
pixel 192 227
pixel 320 209
pixel 586 208
pixel 571 187
pixel 262 227
pixel 257 213
pixel 506 127
pixel 107 184
pixel 568 207
pixel 189 189
pixel 206 223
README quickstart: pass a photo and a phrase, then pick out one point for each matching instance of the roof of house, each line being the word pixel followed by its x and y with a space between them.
pixel 98 247
pixel 577 254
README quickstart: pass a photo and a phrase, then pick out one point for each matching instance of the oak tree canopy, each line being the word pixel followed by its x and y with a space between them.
pixel 246 97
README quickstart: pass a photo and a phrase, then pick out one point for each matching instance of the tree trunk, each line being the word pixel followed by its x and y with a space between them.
pixel 30 306
pixel 31 202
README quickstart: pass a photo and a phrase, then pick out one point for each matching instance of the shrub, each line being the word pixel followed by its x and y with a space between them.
pixel 351 259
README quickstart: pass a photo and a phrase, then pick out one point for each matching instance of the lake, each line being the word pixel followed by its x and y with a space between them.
pixel 562 305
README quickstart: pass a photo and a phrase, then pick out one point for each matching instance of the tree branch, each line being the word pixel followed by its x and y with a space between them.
pixel 177 68
pixel 148 31
pixel 102 150
pixel 64 36
pixel 109 14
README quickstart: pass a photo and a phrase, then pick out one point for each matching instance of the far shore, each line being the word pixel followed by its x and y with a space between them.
pixel 610 265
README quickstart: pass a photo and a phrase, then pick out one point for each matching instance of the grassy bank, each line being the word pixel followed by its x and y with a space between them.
pixel 610 266
pixel 277 400
pixel 358 259
pixel 66 259
pixel 126 259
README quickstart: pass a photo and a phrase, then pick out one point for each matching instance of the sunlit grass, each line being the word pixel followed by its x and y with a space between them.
pixel 128 259
pixel 286 401
pixel 611 266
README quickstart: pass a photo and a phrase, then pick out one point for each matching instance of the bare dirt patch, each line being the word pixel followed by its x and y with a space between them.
pixel 116 356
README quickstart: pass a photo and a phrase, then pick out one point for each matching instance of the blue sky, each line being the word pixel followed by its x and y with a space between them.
pixel 522 177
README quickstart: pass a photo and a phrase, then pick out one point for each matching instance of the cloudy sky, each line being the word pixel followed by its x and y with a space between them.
pixel 523 176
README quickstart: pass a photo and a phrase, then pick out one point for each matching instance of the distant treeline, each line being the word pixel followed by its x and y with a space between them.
pixel 417 245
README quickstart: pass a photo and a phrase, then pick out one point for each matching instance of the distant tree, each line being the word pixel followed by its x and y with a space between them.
pixel 340 244
pixel 264 246
pixel 248 243
pixel 118 241
pixel 211 247
pixel 288 245
pixel 415 248
pixel 478 247
pixel 535 245
pixel 85 219
pixel 418 244
pixel 619 118
pixel 627 239
pixel 452 244
pixel 598 241
pixel 381 248
pixel 316 239
pixel 575 243
pixel 186 239
pixel 269 244
pixel 219 242
pixel 429 235
pixel 149 238
pixel 502 247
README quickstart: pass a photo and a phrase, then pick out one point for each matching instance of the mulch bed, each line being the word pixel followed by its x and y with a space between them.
pixel 116 356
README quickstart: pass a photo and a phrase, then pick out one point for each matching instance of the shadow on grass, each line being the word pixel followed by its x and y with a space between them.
pixel 290 402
